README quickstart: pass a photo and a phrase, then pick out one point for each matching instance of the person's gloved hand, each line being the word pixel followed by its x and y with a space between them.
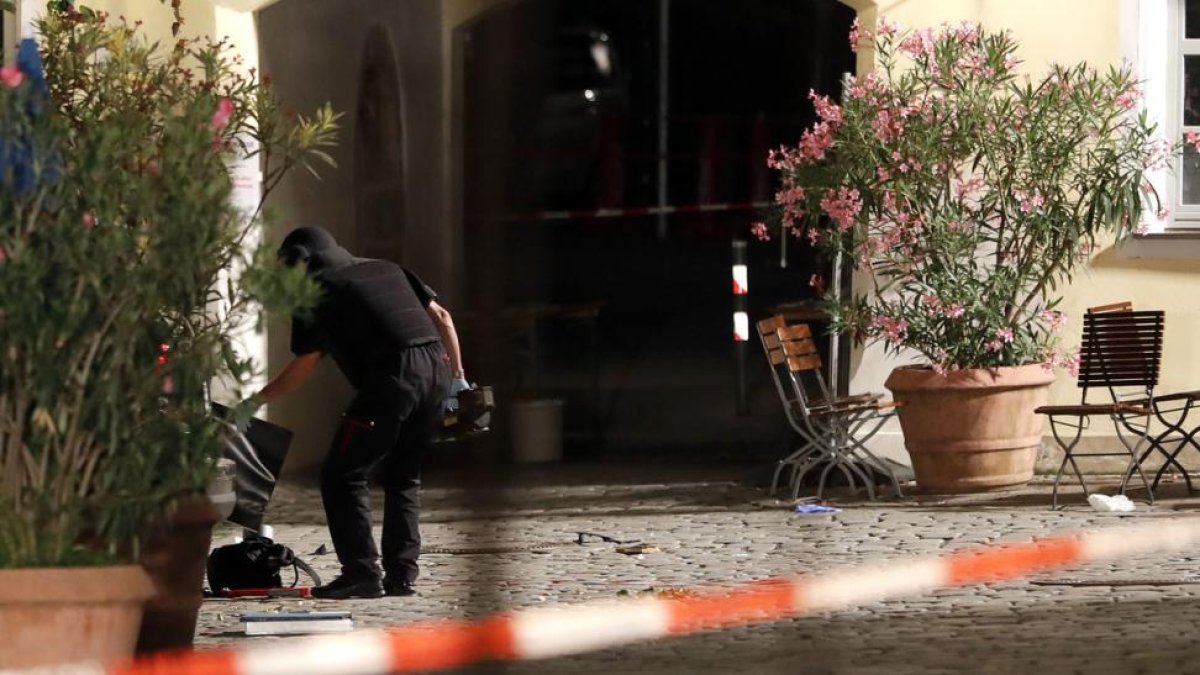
pixel 457 386
pixel 243 412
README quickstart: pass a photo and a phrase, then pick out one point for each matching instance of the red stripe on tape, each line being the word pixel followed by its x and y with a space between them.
pixel 452 643
pixel 1011 561
pixel 181 663
pixel 759 601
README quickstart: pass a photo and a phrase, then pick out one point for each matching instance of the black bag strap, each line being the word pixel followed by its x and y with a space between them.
pixel 297 565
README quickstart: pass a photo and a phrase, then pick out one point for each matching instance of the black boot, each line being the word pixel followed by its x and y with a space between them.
pixel 350 587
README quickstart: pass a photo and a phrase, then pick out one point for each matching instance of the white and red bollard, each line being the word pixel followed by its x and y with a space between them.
pixel 741 322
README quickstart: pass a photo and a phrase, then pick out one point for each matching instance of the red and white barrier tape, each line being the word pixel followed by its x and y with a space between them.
pixel 548 632
pixel 583 214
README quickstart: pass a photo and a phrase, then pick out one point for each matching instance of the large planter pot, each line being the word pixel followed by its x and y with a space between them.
pixel 59 615
pixel 971 430
pixel 174 555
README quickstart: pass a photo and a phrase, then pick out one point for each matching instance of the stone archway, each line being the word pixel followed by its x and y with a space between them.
pixel 380 200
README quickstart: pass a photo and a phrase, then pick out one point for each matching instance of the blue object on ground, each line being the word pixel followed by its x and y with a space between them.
pixel 816 508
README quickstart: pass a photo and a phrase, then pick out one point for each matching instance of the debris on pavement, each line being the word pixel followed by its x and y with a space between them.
pixel 584 536
pixel 638 549
pixel 815 508
pixel 666 592
pixel 786 503
pixel 321 550
pixel 1113 504
pixel 296 623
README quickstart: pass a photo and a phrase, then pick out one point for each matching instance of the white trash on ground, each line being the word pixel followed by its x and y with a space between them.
pixel 1115 503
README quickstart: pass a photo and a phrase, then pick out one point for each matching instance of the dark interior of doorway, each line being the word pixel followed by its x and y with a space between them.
pixel 561 113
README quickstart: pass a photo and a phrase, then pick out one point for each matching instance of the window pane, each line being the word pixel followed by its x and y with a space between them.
pixel 1190 175
pixel 1191 20
pixel 1191 91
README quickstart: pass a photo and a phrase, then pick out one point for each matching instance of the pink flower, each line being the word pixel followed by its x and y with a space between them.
pixel 1159 156
pixel 1071 363
pixel 790 195
pixel 815 141
pixel 843 206
pixel 1084 253
pixel 887 28
pixel 919 43
pixel 954 311
pixel 222 115
pixel 1005 334
pixel 826 109
pixel 89 221
pixel 861 88
pixel 783 159
pixel 887 126
pixel 994 345
pixel 168 385
pixel 813 236
pixel 855 35
pixel 11 76
pixel 1129 97
pixel 1054 318
pixel 1163 213
pixel 1193 139
pixel 893 330
pixel 1068 361
pixel 932 303
pixel 883 174
pixel 759 230
pixel 1141 229
pixel 1029 202
pixel 968 32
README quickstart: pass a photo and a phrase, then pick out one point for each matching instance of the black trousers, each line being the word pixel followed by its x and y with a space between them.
pixel 388 428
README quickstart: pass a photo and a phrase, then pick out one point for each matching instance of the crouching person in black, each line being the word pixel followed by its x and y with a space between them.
pixel 399 349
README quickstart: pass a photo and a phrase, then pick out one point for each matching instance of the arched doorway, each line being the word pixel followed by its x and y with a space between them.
pixel 379 153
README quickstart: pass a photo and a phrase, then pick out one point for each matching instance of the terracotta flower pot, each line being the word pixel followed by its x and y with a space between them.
pixel 174 556
pixel 971 430
pixel 56 615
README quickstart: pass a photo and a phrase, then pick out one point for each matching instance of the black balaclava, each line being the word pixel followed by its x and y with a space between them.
pixel 315 247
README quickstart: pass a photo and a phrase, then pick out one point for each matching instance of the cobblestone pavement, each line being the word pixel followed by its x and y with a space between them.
pixel 715 532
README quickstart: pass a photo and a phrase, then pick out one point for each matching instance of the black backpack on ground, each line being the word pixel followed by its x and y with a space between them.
pixel 255 562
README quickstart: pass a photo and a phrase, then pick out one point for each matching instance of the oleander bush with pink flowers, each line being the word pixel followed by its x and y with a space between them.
pixel 967 193
pixel 124 274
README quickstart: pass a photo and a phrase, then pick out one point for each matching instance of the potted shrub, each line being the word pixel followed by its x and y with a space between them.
pixel 125 278
pixel 966 195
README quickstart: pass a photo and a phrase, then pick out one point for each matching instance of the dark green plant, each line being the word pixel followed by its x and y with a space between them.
pixel 125 275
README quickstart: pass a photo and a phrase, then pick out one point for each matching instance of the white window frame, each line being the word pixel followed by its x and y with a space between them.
pixel 1184 216
pixel 1152 44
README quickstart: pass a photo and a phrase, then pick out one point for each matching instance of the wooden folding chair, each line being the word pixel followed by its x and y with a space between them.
pixel 1121 354
pixel 830 430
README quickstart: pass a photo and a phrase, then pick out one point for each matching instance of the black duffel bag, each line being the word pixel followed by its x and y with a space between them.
pixel 255 562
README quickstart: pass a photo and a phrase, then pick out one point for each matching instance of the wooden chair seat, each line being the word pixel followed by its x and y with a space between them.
pixel 1093 409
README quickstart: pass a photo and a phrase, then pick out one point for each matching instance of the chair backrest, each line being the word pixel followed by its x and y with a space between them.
pixel 775 358
pixel 790 351
pixel 795 362
pixel 1121 348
